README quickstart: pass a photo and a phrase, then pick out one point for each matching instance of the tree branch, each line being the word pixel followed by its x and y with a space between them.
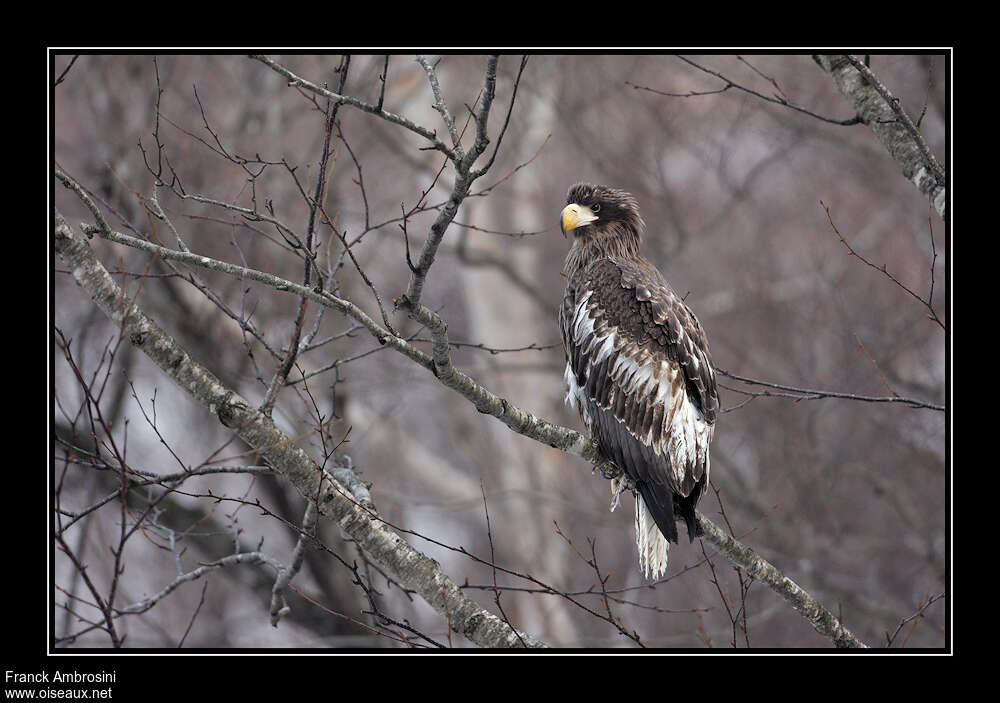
pixel 885 116
pixel 464 178
pixel 811 394
pixel 440 105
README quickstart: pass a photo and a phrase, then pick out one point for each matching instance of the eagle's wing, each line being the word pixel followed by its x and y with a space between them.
pixel 639 372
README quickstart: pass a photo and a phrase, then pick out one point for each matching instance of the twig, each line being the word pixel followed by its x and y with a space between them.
pixel 195 574
pixel 506 121
pixel 812 394
pixel 464 178
pixel 926 303
pixel 495 350
pixel 194 616
pixel 371 286
pixel 382 79
pixel 769 79
pixel 731 84
pixel 602 580
pixel 496 591
pixel 62 75
pixel 930 600
pixel 878 370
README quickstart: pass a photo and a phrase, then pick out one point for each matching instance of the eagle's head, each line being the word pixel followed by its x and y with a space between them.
pixel 604 222
pixel 591 208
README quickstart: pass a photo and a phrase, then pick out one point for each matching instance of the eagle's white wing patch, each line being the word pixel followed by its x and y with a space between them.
pixel 682 433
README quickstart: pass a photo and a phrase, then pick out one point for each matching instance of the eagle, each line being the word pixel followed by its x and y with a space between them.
pixel 638 369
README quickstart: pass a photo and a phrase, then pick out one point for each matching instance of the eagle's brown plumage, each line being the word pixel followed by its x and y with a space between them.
pixel 638 368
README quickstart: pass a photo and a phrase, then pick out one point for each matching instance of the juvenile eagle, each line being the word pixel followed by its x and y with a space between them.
pixel 638 369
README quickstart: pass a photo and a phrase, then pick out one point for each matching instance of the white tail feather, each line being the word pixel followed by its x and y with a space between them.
pixel 653 546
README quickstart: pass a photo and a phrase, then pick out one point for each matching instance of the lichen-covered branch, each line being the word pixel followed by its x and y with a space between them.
pixel 882 112
pixel 488 402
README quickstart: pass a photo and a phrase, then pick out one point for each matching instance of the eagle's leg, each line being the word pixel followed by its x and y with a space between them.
pixel 618 486
pixel 620 482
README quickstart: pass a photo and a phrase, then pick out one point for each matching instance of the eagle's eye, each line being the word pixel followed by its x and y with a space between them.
pixel 595 208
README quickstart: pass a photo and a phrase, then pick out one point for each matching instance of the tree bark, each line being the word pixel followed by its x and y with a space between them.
pixel 882 112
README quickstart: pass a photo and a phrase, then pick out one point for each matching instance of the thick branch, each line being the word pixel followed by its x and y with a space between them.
pixel 885 116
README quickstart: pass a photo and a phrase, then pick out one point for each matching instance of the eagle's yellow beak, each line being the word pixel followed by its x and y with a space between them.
pixel 574 216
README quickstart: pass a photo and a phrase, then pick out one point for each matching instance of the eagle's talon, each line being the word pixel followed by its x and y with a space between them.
pixel 609 469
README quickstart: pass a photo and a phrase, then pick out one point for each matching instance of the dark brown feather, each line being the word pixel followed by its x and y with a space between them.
pixel 626 295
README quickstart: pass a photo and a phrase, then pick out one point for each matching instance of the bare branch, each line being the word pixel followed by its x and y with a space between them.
pixel 731 84
pixel 927 303
pixel 464 179
pixel 812 394
pixel 440 105
pixel 62 76
pixel 924 605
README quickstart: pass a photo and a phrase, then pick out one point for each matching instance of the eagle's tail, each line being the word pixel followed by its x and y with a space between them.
pixel 653 546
